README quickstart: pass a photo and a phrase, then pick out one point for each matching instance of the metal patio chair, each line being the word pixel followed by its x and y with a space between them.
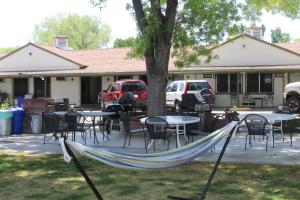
pixel 257 126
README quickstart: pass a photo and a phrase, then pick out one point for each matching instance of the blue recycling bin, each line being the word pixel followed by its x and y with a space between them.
pixel 17 120
pixel 20 99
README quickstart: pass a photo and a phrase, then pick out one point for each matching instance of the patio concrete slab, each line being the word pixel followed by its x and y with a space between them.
pixel 283 153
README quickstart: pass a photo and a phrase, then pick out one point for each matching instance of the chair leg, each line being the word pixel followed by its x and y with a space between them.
pixel 246 142
pixel 291 138
pixel 129 139
pixel 125 140
pixel 145 140
pixel 267 143
pixel 45 138
pixel 168 144
pixel 273 139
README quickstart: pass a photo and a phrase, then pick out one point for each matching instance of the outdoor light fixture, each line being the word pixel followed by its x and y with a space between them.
pixel 108 79
pixel 42 78
pixel 244 46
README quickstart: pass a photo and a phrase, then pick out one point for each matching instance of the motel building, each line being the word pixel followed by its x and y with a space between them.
pixel 245 66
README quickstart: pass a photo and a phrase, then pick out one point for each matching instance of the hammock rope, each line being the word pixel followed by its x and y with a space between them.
pixel 166 159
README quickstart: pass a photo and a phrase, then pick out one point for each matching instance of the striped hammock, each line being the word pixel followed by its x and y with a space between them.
pixel 167 159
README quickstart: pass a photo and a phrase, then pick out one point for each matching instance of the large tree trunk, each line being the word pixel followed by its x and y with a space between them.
pixel 157 72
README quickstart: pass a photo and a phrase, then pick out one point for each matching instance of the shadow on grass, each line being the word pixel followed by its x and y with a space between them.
pixel 49 177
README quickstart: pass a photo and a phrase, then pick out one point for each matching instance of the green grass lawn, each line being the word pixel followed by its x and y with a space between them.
pixel 49 177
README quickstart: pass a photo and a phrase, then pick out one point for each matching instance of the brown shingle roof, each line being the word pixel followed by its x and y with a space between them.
pixel 105 61
pixel 291 46
pixel 1 55
pixel 114 61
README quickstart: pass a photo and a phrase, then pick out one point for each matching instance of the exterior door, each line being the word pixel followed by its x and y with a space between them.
pixel 20 87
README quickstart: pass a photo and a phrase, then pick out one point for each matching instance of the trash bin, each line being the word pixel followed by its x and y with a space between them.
pixel 5 122
pixel 17 120
pixel 20 99
pixel 36 123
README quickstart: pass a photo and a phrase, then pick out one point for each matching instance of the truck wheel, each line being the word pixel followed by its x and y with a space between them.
pixel 293 103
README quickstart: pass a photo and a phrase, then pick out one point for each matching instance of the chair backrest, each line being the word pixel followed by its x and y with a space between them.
pixel 74 119
pixel 283 110
pixel 50 122
pixel 157 127
pixel 256 124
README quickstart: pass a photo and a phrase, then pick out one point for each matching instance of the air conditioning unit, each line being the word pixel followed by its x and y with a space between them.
pixel 60 78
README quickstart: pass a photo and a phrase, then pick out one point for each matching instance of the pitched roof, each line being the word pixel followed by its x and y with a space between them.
pixel 114 61
pixel 295 47
pixel 1 55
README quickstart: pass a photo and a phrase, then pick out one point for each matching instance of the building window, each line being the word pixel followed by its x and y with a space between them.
pixel 253 83
pixel 124 77
pixel 266 83
pixel 222 83
pixel 259 83
pixel 20 86
pixel 227 83
pixel 42 87
pixel 144 78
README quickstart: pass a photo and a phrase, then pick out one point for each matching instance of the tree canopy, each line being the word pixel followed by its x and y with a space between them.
pixel 129 42
pixel 277 36
pixel 8 49
pixel 84 32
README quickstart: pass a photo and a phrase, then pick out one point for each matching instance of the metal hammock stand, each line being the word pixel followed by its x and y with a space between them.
pixel 202 195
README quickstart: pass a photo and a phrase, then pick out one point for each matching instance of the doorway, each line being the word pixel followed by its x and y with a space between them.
pixel 90 88
pixel 20 87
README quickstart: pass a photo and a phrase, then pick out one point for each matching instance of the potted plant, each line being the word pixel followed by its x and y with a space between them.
pixel 5 118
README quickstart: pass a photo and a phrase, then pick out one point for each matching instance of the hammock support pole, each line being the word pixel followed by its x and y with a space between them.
pixel 211 176
pixel 83 172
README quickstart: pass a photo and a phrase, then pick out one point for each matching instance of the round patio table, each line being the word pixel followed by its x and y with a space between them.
pixel 177 121
pixel 272 118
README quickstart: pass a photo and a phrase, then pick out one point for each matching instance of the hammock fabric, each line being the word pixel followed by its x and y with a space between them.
pixel 167 159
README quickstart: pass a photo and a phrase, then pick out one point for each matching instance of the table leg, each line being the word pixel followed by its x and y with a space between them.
pixel 177 134
pixel 184 133
pixel 94 129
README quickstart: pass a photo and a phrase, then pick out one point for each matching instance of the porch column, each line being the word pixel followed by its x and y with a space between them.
pixel 244 82
pixel 285 79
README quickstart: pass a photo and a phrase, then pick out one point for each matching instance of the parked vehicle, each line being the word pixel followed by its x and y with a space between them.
pixel 291 95
pixel 175 90
pixel 117 89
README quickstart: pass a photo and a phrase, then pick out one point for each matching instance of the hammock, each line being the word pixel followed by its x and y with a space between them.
pixel 172 158
pixel 167 159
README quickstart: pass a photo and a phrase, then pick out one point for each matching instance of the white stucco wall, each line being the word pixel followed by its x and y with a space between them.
pixel 294 77
pixel 69 88
pixel 278 90
pixel 31 58
pixel 106 81
pixel 6 86
pixel 246 51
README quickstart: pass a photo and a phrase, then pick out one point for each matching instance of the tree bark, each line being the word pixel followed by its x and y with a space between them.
pixel 157 54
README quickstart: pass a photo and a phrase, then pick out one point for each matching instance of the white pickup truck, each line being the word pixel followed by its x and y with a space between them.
pixel 291 95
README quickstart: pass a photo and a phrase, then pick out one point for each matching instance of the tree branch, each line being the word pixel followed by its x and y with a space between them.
pixel 156 10
pixel 139 14
pixel 170 17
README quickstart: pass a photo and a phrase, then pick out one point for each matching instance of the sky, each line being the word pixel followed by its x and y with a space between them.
pixel 18 17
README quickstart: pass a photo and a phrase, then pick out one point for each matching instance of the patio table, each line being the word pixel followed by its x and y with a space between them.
pixel 177 121
pixel 272 118
pixel 92 114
